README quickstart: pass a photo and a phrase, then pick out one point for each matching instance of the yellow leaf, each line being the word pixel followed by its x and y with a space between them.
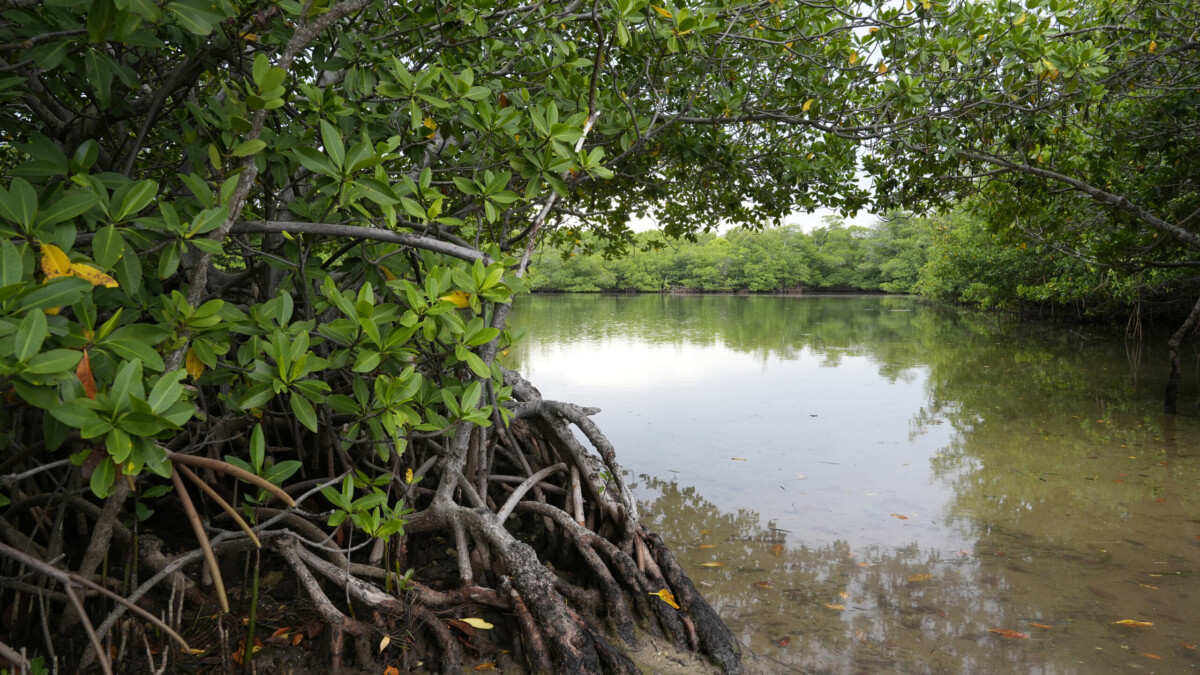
pixel 837 607
pixel 707 546
pixel 667 597
pixel 882 67
pixel 486 666
pixel 853 58
pixel 384 643
pixel 408 476
pixel 908 5
pixel 712 564
pixel 844 595
pixel 55 263
pixel 478 623
pixel 93 275
pixel 777 550
pixel 763 584
pixel 808 104
pixel 916 578
pixel 1041 625
pixel 249 37
pixel 387 274
pixel 666 14
pixel 1020 20
pixel 925 4
pixel 1153 46
pixel 458 298
pixel 429 123
pixel 738 459
pixel 195 367
pixel 874 30
pixel 1134 623
pixel 705 532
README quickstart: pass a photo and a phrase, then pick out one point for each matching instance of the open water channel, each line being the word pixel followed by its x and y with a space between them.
pixel 876 485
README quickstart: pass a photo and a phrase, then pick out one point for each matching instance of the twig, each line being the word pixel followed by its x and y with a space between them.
pixel 505 511
pixel 202 537
pixel 237 518
pixel 231 470
pixel 577 495
pixel 88 628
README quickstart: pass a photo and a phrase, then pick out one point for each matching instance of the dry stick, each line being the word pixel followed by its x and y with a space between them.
pixel 503 514
pixel 577 496
pixel 231 470
pixel 202 537
pixel 337 621
pixel 101 537
pixel 237 518
pixel 105 664
pixel 16 659
pixel 465 574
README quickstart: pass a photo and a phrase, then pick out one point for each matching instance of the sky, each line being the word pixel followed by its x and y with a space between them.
pixel 807 221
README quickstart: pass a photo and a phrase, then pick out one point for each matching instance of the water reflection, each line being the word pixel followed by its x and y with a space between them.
pixel 895 491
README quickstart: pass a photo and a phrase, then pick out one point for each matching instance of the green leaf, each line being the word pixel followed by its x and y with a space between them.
pixel 166 391
pixel 250 147
pixel 139 195
pixel 471 395
pixel 257 395
pixel 332 140
pixel 31 332
pixel 128 382
pixel 304 412
pixel 119 445
pixel 316 162
pixel 108 246
pixel 68 207
pixel 19 203
pixel 258 448
pixel 54 361
pixel 11 267
pixel 134 350
pixel 102 478
pixel 194 17
pixel 366 361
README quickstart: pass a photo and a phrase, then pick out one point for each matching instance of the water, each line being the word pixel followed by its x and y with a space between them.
pixel 893 487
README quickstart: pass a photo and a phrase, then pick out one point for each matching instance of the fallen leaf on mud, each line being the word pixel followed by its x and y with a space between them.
pixel 712 564
pixel 777 549
pixel 707 546
pixel 837 607
pixel 667 597
pixel 1153 588
pixel 387 639
pixel 1041 625
pixel 1134 623
pixel 282 631
pixel 763 584
pixel 1010 634
pixel 897 515
pixel 486 666
pixel 738 459
pixel 478 623
pixel 1148 655
pixel 704 532
pixel 844 595
pixel 1187 646
pixel 391 670
pixel 864 564
pixel 783 641
pixel 916 578
pixel 860 636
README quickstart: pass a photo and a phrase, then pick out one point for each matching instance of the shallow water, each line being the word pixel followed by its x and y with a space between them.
pixel 893 487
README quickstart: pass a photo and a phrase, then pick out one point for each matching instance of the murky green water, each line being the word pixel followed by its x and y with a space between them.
pixel 886 484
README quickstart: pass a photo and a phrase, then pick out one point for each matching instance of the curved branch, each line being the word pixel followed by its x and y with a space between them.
pixel 357 232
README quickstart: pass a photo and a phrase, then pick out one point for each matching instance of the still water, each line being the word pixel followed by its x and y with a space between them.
pixel 890 487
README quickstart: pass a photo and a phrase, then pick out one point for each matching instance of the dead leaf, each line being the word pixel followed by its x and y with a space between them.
pixel 783 642
pixel 712 564
pixel 387 639
pixel 738 459
pixel 282 631
pixel 486 666
pixel 917 578
pixel 193 364
pixel 1010 634
pixel 777 549
pixel 1135 623
pixel 704 532
pixel 478 623
pixel 707 546
pixel 92 275
pixel 458 299
pixel 861 636
pixel 1041 625
pixel 1148 655
pixel 1187 646
pixel 667 597
pixel 391 670
pixel 1153 588
pixel 763 584
pixel 837 607
pixel 55 263
pixel 84 372
pixel 897 515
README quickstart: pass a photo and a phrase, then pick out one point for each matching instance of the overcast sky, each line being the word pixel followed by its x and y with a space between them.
pixel 806 221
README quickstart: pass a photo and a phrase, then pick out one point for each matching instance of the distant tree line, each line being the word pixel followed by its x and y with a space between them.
pixel 962 256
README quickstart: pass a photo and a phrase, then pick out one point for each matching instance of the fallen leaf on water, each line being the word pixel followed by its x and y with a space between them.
pixel 777 549
pixel 1187 646
pixel 704 532
pixel 861 636
pixel 864 564
pixel 763 584
pixel 1041 625
pixel 1134 623
pixel 897 515
pixel 843 595
pixel 1011 634
pixel 783 642
pixel 707 546
pixel 712 564
pixel 1148 655
pixel 920 577
pixel 837 607
pixel 477 623
pixel 667 597
pixel 738 459
pixel 1155 588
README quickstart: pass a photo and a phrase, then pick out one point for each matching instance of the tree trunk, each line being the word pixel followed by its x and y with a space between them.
pixel 1170 401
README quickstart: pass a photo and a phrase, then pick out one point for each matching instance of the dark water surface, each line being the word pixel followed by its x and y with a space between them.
pixel 894 487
